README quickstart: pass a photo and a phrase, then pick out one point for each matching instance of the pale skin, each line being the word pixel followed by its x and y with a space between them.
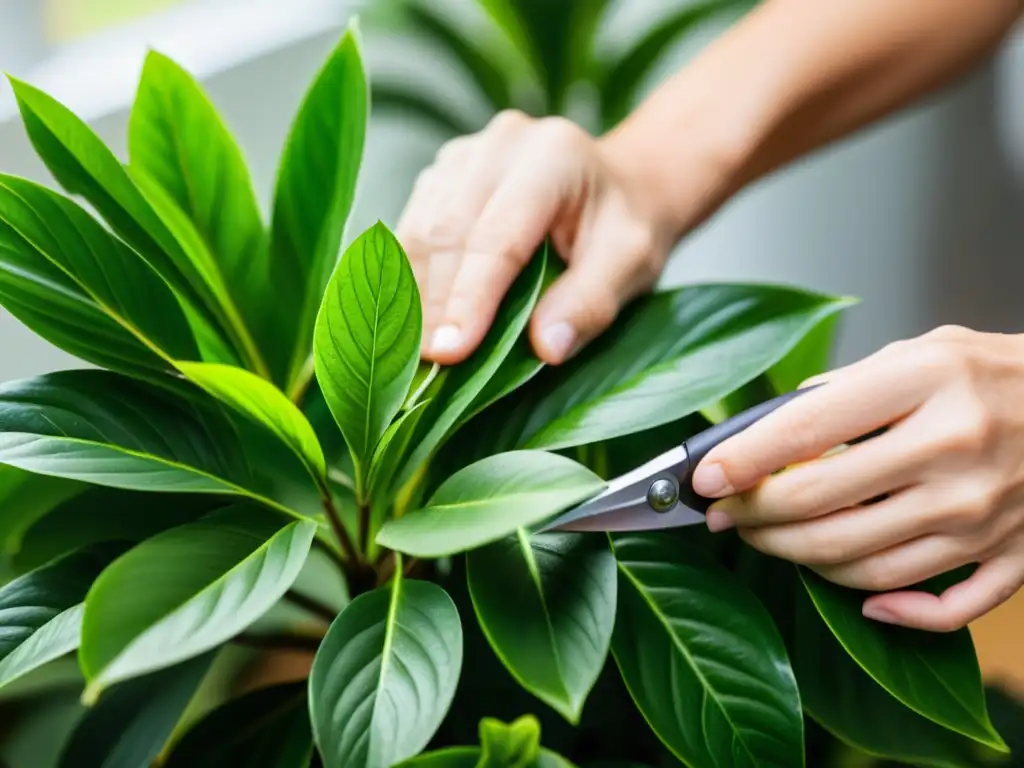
pixel 792 76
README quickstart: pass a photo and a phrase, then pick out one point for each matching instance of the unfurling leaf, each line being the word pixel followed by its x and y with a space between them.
pixel 935 674
pixel 509 745
pixel 41 612
pixel 187 590
pixel 385 675
pixel 316 186
pixel 547 606
pixel 702 658
pixel 367 341
pixel 489 500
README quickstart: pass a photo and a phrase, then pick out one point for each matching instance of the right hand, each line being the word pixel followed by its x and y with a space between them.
pixel 477 215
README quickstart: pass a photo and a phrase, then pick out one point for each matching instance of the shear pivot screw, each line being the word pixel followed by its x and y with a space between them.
pixel 662 495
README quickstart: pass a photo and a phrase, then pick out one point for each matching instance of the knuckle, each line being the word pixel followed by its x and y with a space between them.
pixel 970 432
pixel 876 574
pixel 558 133
pixel 454 150
pixel 976 502
pixel 949 333
pixel 508 120
pixel 937 359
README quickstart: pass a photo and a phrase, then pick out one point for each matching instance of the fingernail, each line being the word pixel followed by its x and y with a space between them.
pixel 710 480
pixel 879 614
pixel 559 339
pixel 447 338
pixel 718 521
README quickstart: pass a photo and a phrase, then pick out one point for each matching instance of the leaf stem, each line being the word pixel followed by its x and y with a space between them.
pixel 299 385
pixel 247 346
pixel 364 526
pixel 340 532
pixel 312 605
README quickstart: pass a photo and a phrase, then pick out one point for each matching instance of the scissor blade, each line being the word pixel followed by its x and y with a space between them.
pixel 623 505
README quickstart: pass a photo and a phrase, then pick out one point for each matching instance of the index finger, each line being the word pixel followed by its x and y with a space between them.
pixel 862 398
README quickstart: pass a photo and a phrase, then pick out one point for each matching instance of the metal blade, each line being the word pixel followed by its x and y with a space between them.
pixel 623 505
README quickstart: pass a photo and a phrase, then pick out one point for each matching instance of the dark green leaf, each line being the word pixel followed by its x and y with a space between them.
pixel 703 659
pixel 696 344
pixel 81 288
pixel 315 188
pixel 267 728
pixel 129 727
pixel 265 404
pixel 367 341
pixel 489 500
pixel 466 381
pixel 547 606
pixel 177 139
pixel 621 83
pixel 187 590
pixel 935 674
pixel 41 612
pixel 385 675
pixel 106 514
pixel 509 745
pixel 25 498
pixel 103 428
pixel 83 165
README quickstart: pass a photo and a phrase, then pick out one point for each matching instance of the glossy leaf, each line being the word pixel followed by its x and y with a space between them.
pixel 265 404
pixel 25 498
pixel 509 745
pixel 367 341
pixel 103 428
pixel 81 288
pixel 129 726
pixel 547 606
pixel 385 675
pixel 810 357
pixel 84 166
pixel 392 447
pixel 670 355
pixel 187 590
pixel 702 658
pixel 621 82
pixel 315 188
pixel 266 728
pixel 489 500
pixel 466 381
pixel 177 139
pixel 935 674
pixel 106 514
pixel 41 612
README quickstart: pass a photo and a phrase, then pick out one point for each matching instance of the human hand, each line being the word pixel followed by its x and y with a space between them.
pixel 478 214
pixel 951 463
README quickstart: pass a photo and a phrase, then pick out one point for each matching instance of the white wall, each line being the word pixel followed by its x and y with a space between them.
pixel 921 216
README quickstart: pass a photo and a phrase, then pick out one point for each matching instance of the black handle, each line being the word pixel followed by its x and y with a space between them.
pixel 701 444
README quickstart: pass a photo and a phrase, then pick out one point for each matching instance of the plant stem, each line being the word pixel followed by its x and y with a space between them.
pixel 278 641
pixel 410 566
pixel 351 554
pixel 301 382
pixel 312 605
pixel 243 339
pixel 364 526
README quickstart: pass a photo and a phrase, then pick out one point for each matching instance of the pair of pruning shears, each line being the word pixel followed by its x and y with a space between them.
pixel 659 494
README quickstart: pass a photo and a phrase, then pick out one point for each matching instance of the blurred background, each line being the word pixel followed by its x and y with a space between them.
pixel 922 216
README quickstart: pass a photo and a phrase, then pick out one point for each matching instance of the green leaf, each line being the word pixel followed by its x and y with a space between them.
pixel 453 757
pixel 315 188
pixel 41 612
pixel 177 139
pixel 265 404
pixel 25 498
pixel 103 428
pixel 367 341
pixel 188 590
pixel 509 745
pixel 82 289
pixel 810 357
pixel 465 382
pixel 84 166
pixel 489 500
pixel 129 727
pixel 621 82
pixel 391 448
pixel 698 344
pixel 547 606
pixel 702 658
pixel 935 674
pixel 385 675
pixel 106 514
pixel 268 727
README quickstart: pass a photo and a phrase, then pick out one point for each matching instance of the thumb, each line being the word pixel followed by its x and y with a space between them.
pixel 588 296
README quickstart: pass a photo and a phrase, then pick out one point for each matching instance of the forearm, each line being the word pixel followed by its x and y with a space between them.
pixel 792 76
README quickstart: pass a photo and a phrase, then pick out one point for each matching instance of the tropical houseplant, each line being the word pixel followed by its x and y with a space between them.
pixel 256 431
pixel 540 57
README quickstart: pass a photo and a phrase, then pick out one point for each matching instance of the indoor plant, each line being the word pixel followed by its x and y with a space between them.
pixel 540 57
pixel 259 410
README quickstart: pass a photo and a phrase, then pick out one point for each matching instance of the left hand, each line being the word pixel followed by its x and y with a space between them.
pixel 951 465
